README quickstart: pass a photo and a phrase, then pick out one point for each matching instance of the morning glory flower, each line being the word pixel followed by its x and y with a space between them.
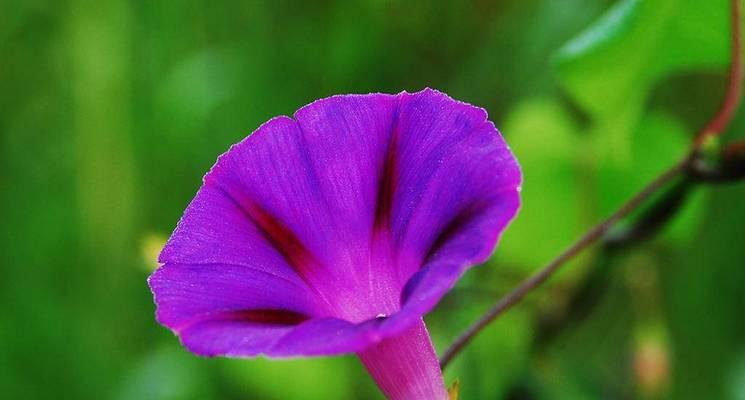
pixel 335 231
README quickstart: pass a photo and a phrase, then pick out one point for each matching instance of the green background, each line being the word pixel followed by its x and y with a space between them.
pixel 111 112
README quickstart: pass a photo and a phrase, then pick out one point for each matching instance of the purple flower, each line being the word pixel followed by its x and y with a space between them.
pixel 336 231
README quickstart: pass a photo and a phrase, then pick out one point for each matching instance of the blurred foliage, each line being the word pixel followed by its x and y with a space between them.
pixel 111 112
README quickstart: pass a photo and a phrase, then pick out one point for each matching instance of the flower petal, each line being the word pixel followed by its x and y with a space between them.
pixel 455 170
pixel 341 207
pixel 468 240
pixel 229 309
pixel 323 336
pixel 215 230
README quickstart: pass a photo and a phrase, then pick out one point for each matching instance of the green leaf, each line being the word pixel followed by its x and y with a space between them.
pixel 638 42
pixel 325 378
pixel 541 134
pixel 495 358
pixel 611 68
pixel 658 142
pixel 169 373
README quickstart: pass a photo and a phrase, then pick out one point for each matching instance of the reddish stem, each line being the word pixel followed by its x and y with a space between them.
pixel 731 101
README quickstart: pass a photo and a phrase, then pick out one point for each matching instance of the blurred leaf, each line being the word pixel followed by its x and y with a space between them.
pixel 496 358
pixel 659 141
pixel 610 69
pixel 541 135
pixel 528 32
pixel 737 378
pixel 170 373
pixel 196 86
pixel 703 299
pixel 590 360
pixel 638 42
pixel 325 378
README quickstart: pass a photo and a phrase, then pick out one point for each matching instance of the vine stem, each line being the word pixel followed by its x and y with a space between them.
pixel 714 128
pixel 535 280
pixel 734 87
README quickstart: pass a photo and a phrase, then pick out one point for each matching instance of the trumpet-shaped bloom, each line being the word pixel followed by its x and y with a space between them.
pixel 335 231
